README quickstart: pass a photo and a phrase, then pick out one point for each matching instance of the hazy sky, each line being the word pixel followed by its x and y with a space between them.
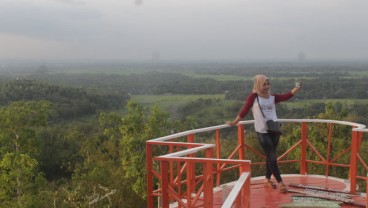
pixel 183 29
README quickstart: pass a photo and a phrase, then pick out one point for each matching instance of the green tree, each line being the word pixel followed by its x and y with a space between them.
pixel 137 128
pixel 20 148
pixel 109 167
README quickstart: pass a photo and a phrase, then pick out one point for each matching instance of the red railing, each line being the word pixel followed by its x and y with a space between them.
pixel 353 149
pixel 359 158
pixel 173 176
pixel 175 171
pixel 239 195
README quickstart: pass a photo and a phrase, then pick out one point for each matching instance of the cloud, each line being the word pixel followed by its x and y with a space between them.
pixel 51 21
pixel 190 29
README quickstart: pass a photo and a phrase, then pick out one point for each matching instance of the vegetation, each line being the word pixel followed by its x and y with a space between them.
pixel 74 136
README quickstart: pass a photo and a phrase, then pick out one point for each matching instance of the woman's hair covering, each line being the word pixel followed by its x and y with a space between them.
pixel 259 81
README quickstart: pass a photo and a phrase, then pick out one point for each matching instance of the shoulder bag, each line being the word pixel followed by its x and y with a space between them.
pixel 273 127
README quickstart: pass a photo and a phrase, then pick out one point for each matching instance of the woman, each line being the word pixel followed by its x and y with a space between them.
pixel 262 103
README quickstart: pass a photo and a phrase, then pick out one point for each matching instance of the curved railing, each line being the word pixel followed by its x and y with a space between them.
pixel 356 139
pixel 173 162
pixel 176 175
pixel 365 165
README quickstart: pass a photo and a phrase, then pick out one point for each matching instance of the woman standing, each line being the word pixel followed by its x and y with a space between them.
pixel 262 103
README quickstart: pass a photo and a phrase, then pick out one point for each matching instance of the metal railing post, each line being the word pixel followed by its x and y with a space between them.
pixel 165 184
pixel 241 145
pixel 218 156
pixel 353 161
pixel 150 202
pixel 303 149
pixel 208 181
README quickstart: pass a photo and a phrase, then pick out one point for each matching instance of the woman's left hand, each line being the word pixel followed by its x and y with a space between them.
pixel 298 87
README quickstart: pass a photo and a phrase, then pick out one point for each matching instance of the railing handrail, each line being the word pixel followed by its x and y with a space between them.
pixel 236 190
pixel 358 127
pixel 360 130
pixel 187 151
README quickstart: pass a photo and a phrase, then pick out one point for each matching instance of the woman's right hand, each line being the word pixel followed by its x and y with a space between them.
pixel 230 123
pixel 233 123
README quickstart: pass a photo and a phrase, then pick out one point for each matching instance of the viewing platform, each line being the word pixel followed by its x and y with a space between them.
pixel 323 163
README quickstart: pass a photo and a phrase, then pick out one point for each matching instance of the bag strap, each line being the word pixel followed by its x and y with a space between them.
pixel 260 108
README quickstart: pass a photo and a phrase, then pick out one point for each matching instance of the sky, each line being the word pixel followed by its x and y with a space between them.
pixel 164 30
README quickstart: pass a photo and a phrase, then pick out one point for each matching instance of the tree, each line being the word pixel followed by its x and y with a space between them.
pixel 137 128
pixel 20 148
pixel 110 168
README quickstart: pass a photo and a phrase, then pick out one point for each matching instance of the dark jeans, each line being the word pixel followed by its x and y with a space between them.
pixel 269 143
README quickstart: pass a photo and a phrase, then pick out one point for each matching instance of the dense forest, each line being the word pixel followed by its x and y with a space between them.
pixel 73 135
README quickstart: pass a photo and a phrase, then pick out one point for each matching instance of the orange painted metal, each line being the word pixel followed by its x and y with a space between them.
pixel 150 197
pixel 179 176
pixel 341 154
pixel 165 184
pixel 171 185
pixel 246 195
pixel 218 156
pixel 330 127
pixel 288 151
pixel 303 148
pixel 190 173
pixel 239 196
pixel 179 181
pixel 206 188
pixel 362 162
pixel 317 153
pixel 241 144
pixel 171 166
pixel 353 161
pixel 208 181
pixel 190 181
pixel 247 147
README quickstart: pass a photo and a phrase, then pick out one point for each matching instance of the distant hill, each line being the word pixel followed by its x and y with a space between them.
pixel 68 102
